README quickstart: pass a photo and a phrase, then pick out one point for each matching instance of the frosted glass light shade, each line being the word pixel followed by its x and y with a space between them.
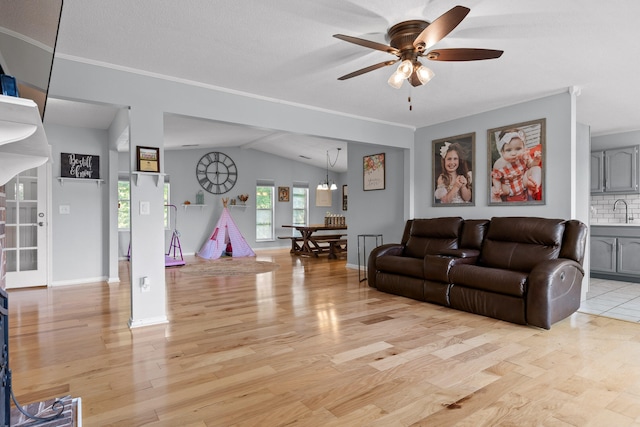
pixel 396 79
pixel 424 74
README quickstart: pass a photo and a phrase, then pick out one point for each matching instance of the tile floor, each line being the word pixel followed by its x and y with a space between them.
pixel 619 300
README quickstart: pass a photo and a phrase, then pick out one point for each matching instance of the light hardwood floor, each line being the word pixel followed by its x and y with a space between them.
pixel 309 345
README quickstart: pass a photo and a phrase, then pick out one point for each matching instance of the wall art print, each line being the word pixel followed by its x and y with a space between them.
pixel 516 163
pixel 374 172
pixel 283 194
pixel 453 166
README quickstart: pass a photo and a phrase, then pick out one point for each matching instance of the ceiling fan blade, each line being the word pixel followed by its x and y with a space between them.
pixel 463 54
pixel 367 69
pixel 440 27
pixel 368 43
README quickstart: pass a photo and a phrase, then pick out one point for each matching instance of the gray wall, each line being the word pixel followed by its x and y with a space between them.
pixel 558 174
pixel 79 254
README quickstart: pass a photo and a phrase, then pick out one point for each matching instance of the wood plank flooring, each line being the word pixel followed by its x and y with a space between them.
pixel 309 345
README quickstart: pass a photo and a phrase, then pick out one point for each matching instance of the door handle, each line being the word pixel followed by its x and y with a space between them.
pixel 41 224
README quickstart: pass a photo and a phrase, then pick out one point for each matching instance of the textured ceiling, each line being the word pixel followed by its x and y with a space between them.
pixel 284 50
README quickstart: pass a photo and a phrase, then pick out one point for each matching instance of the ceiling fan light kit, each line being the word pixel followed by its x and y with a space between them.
pixel 410 40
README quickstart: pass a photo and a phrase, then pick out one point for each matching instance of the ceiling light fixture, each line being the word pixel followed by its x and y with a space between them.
pixel 325 185
pixel 407 70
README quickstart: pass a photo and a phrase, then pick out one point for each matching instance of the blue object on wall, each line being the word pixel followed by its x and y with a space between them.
pixel 9 85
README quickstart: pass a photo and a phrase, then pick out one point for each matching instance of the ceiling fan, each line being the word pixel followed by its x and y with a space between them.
pixel 410 40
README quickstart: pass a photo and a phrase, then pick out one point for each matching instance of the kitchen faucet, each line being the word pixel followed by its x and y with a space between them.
pixel 626 209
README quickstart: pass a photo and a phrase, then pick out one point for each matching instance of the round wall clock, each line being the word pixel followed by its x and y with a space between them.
pixel 216 172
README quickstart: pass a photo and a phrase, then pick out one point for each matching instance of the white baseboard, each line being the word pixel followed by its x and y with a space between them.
pixel 138 323
pixel 354 266
pixel 83 281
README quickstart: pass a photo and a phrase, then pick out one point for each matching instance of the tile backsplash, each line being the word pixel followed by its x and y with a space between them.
pixel 602 208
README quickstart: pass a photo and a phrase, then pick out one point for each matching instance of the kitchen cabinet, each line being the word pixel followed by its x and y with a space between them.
pixel 628 258
pixel 615 252
pixel 615 170
pixel 603 254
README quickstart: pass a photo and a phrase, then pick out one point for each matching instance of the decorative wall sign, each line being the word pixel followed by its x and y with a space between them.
pixel 82 166
pixel 373 172
pixel 148 159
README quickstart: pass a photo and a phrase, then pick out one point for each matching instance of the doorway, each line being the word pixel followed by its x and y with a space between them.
pixel 26 229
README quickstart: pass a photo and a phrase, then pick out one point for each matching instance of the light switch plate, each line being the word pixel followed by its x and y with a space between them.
pixel 65 209
pixel 145 208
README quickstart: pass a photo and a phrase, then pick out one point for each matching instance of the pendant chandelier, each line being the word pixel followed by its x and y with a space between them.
pixel 329 185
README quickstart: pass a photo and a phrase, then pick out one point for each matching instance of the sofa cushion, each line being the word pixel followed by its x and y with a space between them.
pixel 405 266
pixel 488 279
pixel 429 236
pixel 519 243
pixel 473 232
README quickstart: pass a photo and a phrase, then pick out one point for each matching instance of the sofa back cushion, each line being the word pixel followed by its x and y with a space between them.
pixel 473 232
pixel 519 243
pixel 574 241
pixel 429 236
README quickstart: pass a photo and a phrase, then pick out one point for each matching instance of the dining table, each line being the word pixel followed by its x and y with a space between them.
pixel 312 243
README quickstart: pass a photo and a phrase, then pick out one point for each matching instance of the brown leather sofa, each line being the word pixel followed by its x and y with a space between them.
pixel 523 270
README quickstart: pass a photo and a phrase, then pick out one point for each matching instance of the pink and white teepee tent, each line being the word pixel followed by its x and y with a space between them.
pixel 226 231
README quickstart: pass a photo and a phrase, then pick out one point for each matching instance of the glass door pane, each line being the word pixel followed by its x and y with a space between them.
pixel 23 229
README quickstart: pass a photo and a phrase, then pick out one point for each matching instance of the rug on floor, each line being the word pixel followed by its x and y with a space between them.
pixel 228 266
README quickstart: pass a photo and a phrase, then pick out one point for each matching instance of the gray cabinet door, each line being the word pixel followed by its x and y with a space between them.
pixel 597 171
pixel 603 254
pixel 621 170
pixel 628 255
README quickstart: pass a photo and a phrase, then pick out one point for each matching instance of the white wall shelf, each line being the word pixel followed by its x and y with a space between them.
pixel 152 174
pixel 192 205
pixel 62 179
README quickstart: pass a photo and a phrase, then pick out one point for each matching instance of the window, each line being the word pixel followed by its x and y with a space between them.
pixel 264 211
pixel 124 205
pixel 300 204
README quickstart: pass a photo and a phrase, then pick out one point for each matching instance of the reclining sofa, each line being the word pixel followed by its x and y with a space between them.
pixel 523 270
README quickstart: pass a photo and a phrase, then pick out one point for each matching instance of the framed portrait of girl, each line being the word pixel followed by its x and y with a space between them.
pixel 453 165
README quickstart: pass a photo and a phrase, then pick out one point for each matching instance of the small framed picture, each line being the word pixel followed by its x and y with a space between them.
pixel 453 166
pixel 283 194
pixel 373 172
pixel 516 163
pixel 148 159
pixel 344 197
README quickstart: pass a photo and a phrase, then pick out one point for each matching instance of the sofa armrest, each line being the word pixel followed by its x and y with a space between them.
pixel 460 253
pixel 553 291
pixel 436 267
pixel 382 250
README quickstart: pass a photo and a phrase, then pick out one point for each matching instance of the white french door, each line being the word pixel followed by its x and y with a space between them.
pixel 26 229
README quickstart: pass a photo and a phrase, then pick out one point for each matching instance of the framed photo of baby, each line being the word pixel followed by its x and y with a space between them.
pixel 516 163
pixel 453 166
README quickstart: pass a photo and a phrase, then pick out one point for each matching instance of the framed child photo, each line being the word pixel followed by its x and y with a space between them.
pixel 516 163
pixel 373 173
pixel 283 194
pixel 453 166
